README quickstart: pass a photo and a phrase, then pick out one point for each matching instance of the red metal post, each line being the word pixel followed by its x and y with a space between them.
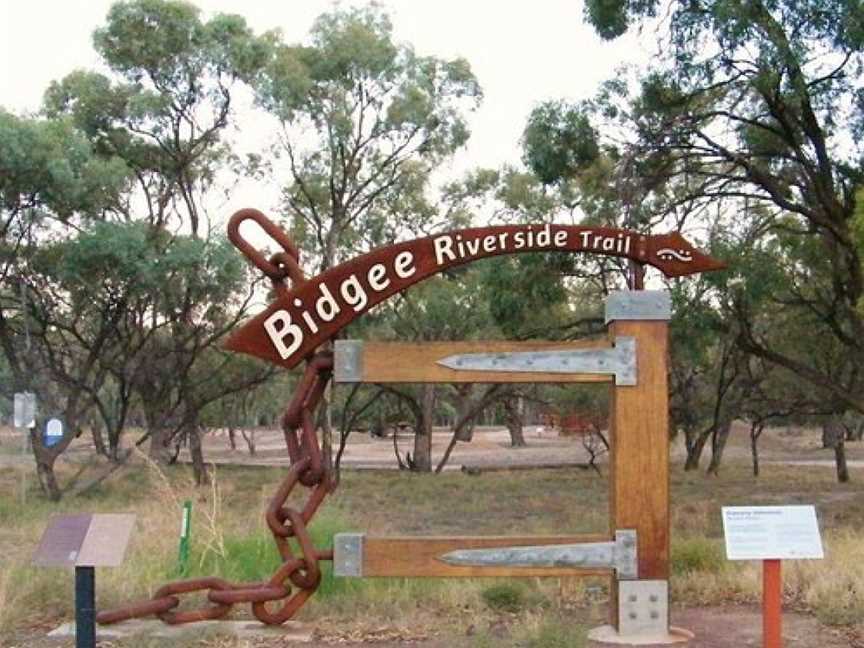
pixel 772 602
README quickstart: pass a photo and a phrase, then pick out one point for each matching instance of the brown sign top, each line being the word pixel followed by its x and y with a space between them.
pixel 85 540
pixel 314 310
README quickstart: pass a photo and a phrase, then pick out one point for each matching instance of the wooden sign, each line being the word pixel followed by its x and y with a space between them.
pixel 315 310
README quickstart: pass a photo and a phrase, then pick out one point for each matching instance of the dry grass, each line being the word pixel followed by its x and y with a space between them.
pixel 229 538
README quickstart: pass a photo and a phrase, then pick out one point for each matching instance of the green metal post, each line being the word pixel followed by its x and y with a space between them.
pixel 185 532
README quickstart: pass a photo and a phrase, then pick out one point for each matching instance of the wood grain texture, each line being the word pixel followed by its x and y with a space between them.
pixel 398 362
pixel 418 557
pixel 639 454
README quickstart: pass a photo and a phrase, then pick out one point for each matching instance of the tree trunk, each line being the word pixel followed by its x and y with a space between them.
pixel 202 477
pixel 513 420
pixel 232 441
pixel 834 436
pixel 463 405
pixel 98 439
pixel 755 433
pixel 45 470
pixel 840 459
pixel 718 445
pixel 695 446
pixel 46 457
pixel 250 441
pixel 159 453
pixel 422 461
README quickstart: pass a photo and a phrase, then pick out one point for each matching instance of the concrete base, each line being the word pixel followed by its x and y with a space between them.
pixel 289 631
pixel 608 634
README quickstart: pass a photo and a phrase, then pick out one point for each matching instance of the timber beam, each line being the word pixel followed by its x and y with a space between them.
pixel 358 555
pixel 592 361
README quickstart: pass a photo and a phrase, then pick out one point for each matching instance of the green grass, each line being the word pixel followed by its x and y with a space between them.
pixel 698 555
pixel 555 633
pixel 230 539
pixel 504 597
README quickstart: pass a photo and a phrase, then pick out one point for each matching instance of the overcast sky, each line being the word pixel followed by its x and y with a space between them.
pixel 521 52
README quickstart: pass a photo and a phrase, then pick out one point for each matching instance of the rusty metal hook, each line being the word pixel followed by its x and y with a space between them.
pixel 254 255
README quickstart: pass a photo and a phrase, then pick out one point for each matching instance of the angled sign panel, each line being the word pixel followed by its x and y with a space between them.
pixel 314 310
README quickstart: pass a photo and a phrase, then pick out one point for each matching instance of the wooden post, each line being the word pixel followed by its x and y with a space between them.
pixel 639 431
pixel 772 596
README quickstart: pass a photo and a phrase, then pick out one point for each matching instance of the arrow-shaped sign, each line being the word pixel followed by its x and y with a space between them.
pixel 308 312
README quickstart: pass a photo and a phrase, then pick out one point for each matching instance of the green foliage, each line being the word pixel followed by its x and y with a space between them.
pixel 609 17
pixel 745 129
pixel 132 261
pixel 182 51
pixel 506 597
pixel 50 165
pixel 525 292
pixel 451 306
pixel 558 141
pixel 366 120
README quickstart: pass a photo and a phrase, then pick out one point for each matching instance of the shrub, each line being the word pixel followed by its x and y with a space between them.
pixel 504 598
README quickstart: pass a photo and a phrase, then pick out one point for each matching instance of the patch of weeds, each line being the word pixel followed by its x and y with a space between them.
pixel 485 639
pixel 839 615
pixel 697 555
pixel 555 633
pixel 505 597
pixel 8 511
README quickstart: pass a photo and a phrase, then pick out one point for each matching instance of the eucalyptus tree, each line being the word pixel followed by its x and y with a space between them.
pixel 750 110
pixel 51 179
pixel 364 121
pixel 164 109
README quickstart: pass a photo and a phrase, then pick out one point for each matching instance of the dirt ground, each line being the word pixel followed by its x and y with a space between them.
pixel 714 627
pixel 491 448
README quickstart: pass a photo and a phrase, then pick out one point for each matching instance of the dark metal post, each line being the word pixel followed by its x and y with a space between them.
pixel 85 607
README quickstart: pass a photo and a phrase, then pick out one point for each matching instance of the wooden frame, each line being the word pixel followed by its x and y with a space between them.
pixel 639 453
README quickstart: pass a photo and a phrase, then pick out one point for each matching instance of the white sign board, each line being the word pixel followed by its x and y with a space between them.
pixel 771 533
pixel 24 414
pixel 53 431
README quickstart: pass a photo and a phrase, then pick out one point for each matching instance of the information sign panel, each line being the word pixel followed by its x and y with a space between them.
pixel 85 540
pixel 771 533
pixel 53 431
pixel 24 414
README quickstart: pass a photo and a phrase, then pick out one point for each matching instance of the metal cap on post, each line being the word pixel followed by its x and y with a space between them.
pixel 638 305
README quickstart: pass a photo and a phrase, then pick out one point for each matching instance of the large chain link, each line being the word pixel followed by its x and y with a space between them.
pixel 300 574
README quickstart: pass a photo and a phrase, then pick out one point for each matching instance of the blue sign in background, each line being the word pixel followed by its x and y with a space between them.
pixel 53 432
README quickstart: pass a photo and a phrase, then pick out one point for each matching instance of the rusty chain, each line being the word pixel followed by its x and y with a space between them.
pixel 300 574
